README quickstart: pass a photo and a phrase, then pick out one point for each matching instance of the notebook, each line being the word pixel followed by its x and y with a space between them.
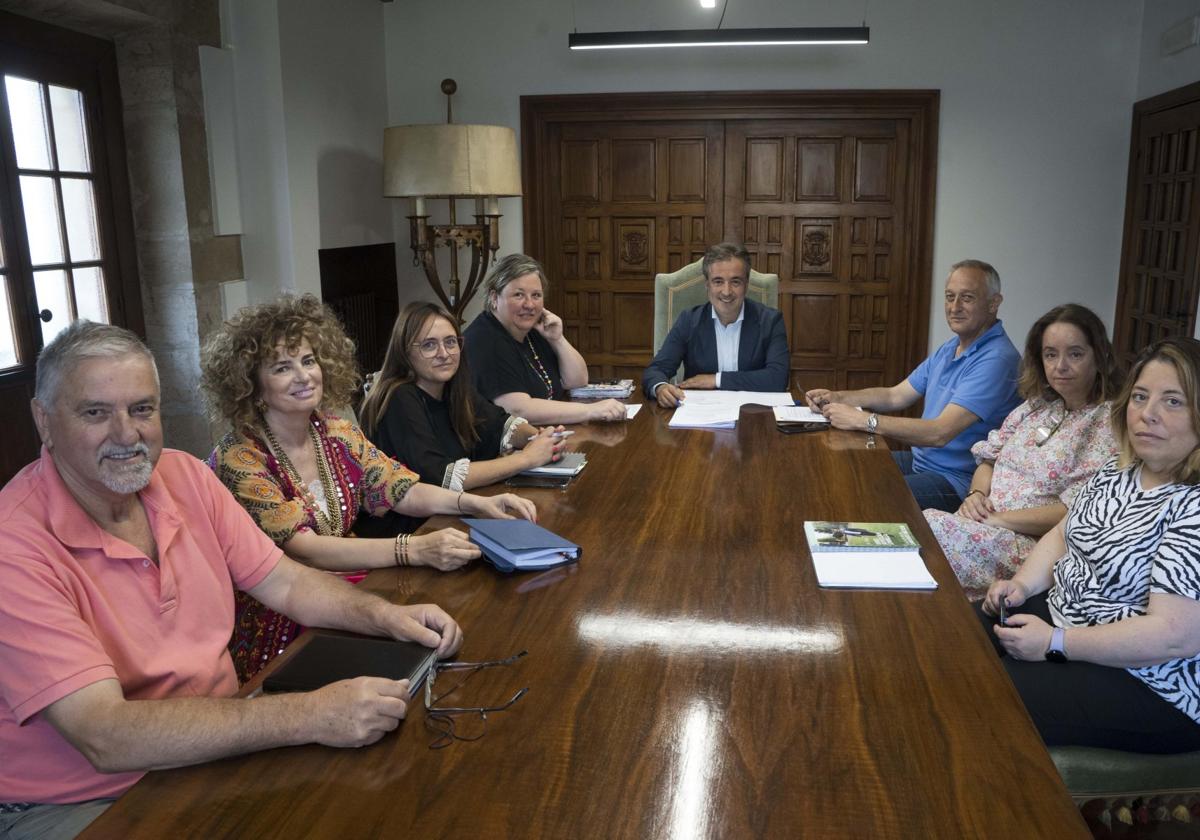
pixel 328 659
pixel 519 545
pixel 571 463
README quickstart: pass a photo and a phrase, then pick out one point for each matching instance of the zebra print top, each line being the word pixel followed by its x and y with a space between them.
pixel 1123 544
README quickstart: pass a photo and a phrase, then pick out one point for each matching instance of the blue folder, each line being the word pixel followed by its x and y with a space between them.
pixel 513 545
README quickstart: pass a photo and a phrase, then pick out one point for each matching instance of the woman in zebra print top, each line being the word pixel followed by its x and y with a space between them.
pixel 1111 595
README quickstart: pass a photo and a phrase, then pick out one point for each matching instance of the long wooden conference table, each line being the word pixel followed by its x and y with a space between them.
pixel 687 678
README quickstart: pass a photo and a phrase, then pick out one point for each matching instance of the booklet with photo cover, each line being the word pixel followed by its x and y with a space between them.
pixel 859 536
pixel 867 555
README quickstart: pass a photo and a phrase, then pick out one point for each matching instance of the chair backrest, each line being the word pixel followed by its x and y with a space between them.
pixel 684 289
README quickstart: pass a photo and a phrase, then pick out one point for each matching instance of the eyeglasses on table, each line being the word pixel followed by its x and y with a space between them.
pixel 441 720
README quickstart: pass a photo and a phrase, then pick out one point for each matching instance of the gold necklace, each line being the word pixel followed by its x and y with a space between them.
pixel 331 524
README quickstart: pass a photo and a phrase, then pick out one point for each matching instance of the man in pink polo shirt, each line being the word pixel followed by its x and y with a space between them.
pixel 117 567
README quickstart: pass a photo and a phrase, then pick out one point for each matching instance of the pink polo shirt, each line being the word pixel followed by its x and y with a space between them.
pixel 78 605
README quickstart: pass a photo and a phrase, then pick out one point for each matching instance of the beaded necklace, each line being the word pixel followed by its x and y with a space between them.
pixel 328 524
pixel 540 369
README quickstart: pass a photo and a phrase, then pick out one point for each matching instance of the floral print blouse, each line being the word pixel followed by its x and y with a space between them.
pixel 1025 475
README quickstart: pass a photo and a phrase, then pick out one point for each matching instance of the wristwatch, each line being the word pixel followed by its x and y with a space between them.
pixel 1057 651
pixel 872 422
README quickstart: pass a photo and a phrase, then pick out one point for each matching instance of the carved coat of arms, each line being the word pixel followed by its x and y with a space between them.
pixel 816 247
pixel 633 247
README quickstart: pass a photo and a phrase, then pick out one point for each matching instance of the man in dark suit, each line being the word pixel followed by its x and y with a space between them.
pixel 728 343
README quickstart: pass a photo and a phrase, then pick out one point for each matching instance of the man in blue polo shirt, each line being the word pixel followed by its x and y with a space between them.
pixel 969 385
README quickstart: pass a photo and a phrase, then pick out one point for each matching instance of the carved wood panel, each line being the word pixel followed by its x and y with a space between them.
pixel 628 202
pixel 826 226
pixel 1157 295
pixel 833 191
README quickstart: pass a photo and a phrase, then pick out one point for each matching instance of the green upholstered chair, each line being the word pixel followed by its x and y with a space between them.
pixel 684 289
pixel 1091 772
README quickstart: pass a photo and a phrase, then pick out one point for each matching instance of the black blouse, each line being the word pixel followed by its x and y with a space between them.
pixel 502 365
pixel 416 430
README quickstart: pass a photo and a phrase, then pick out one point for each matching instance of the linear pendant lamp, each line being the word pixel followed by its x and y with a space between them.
pixel 794 36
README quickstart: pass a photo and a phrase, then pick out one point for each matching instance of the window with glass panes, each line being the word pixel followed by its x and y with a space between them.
pixel 58 197
pixel 59 228
pixel 66 228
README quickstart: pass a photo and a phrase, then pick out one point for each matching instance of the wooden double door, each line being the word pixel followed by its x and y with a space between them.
pixel 831 192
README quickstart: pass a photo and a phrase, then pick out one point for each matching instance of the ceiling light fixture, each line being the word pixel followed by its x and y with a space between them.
pixel 794 36
pixel 708 4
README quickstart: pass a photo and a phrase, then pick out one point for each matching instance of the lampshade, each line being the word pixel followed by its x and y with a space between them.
pixel 450 160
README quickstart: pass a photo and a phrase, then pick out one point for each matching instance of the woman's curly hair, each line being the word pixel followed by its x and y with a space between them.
pixel 232 356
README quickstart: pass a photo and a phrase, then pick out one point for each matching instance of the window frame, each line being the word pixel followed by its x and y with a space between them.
pixel 55 56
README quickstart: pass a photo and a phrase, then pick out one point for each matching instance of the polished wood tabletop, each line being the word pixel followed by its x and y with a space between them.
pixel 687 678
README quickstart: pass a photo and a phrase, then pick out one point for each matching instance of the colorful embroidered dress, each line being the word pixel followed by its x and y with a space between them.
pixel 363 478
pixel 1025 475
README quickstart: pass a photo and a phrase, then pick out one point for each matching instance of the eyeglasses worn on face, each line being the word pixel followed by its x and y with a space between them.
pixel 441 719
pixel 429 347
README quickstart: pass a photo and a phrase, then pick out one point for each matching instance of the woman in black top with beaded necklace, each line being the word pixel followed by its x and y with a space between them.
pixel 518 356
pixel 424 412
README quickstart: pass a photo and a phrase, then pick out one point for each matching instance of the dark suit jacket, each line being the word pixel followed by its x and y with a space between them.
pixel 762 351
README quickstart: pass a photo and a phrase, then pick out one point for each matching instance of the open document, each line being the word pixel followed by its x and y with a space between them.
pixel 798 414
pixel 720 409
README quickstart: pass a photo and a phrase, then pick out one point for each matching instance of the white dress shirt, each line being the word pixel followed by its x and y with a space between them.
pixel 729 338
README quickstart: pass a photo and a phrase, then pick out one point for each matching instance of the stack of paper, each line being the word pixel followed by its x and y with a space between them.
pixel 617 389
pixel 570 464
pixel 738 398
pixel 514 545
pixel 720 409
pixel 867 555
pixel 689 416
pixel 798 414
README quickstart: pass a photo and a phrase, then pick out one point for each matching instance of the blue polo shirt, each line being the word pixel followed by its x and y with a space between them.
pixel 983 380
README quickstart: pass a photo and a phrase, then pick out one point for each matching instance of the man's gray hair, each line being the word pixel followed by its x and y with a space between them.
pixel 723 251
pixel 83 340
pixel 508 269
pixel 989 273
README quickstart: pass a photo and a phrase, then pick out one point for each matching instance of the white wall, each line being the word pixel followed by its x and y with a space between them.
pixel 1034 125
pixel 253 32
pixel 1159 73
pixel 311 112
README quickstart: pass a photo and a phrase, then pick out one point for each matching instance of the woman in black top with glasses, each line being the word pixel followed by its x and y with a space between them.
pixel 424 412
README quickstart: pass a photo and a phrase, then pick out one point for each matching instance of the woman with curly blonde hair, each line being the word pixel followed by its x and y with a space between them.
pixel 275 372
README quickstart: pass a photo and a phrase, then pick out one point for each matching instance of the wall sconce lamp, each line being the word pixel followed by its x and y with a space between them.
pixel 450 161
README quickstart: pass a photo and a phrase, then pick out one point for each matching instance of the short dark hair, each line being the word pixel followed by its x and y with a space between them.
pixel 724 251
pixel 1033 382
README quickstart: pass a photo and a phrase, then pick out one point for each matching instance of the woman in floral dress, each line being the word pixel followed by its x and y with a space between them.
pixel 1032 466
